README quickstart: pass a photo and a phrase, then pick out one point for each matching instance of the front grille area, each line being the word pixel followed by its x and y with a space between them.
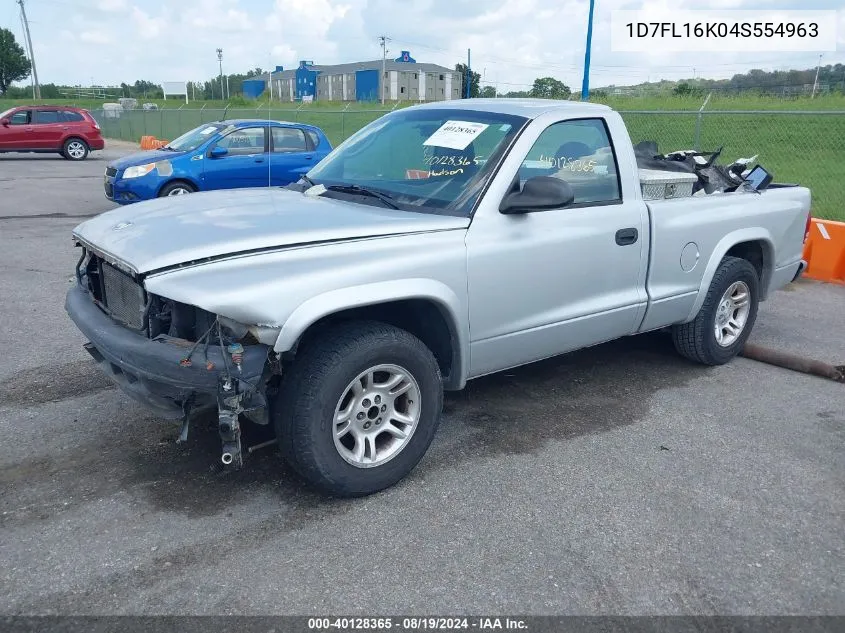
pixel 109 190
pixel 111 172
pixel 123 297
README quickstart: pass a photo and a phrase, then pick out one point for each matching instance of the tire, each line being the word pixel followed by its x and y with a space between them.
pixel 75 149
pixel 177 188
pixel 319 384
pixel 698 340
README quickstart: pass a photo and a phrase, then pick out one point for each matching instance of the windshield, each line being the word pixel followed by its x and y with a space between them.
pixel 426 159
pixel 7 113
pixel 196 137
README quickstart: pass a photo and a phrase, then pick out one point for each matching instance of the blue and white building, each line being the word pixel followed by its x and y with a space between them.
pixel 400 79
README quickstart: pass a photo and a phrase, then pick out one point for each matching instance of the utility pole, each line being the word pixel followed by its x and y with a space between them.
pixel 31 52
pixel 383 39
pixel 585 85
pixel 468 77
pixel 816 80
pixel 220 59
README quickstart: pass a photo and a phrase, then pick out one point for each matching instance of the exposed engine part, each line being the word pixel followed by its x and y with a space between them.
pixel 187 405
pixel 237 352
pixel 228 410
pixel 257 447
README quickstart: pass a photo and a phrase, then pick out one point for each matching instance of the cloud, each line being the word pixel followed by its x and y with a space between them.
pixel 147 27
pixel 96 37
pixel 512 42
pixel 112 6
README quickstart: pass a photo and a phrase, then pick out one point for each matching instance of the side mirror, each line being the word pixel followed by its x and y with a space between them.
pixel 5 122
pixel 218 152
pixel 540 193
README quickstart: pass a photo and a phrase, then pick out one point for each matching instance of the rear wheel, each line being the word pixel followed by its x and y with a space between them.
pixel 359 408
pixel 176 189
pixel 723 325
pixel 75 149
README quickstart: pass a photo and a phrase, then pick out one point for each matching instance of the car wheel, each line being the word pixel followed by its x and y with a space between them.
pixel 176 189
pixel 75 149
pixel 358 408
pixel 723 325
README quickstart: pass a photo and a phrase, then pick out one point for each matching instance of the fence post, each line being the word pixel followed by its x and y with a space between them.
pixel 343 122
pixel 697 140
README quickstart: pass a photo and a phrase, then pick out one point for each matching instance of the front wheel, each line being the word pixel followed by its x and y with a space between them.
pixel 359 408
pixel 176 189
pixel 75 149
pixel 723 325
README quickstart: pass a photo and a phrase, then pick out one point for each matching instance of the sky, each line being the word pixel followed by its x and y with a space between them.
pixel 106 42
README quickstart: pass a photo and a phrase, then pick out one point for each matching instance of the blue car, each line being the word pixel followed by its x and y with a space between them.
pixel 218 155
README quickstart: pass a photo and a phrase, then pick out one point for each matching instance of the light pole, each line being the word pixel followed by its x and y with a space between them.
pixel 816 80
pixel 585 85
pixel 383 40
pixel 220 59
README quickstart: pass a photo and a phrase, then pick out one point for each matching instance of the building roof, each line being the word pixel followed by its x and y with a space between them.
pixel 376 64
pixel 529 108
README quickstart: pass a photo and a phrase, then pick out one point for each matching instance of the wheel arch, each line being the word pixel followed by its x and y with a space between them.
pixel 181 178
pixel 426 308
pixel 755 245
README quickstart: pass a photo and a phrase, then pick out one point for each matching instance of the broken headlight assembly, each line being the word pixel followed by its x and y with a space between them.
pixel 249 334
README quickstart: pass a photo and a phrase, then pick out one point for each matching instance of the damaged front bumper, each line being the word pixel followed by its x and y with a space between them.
pixel 153 371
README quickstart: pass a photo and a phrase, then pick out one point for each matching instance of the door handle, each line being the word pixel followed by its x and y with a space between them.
pixel 259 160
pixel 625 237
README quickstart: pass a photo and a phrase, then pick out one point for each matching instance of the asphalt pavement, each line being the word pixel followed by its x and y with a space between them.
pixel 617 480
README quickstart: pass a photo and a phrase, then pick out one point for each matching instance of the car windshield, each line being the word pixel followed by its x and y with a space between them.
pixel 196 137
pixel 428 159
pixel 7 113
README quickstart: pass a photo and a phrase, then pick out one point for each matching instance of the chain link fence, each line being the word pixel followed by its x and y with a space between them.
pixel 802 147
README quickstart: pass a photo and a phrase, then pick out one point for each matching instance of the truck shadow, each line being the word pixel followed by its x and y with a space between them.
pixel 514 412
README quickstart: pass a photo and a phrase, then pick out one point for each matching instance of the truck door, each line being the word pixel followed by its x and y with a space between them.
pixel 547 282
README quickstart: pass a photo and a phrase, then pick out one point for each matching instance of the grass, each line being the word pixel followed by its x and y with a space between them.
pixel 801 148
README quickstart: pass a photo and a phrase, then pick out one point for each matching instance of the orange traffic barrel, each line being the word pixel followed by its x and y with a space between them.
pixel 824 251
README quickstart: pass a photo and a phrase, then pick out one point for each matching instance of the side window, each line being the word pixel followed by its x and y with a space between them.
pixel 20 118
pixel 73 117
pixel 286 139
pixel 580 153
pixel 315 139
pixel 43 117
pixel 246 141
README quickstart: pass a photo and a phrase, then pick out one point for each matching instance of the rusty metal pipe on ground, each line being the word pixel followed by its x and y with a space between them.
pixel 794 362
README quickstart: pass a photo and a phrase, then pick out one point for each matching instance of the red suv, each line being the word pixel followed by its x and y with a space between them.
pixel 69 131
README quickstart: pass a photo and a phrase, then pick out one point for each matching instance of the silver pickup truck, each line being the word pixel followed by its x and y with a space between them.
pixel 440 243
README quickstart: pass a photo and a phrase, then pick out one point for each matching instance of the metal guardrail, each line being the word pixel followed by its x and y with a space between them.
pixel 800 146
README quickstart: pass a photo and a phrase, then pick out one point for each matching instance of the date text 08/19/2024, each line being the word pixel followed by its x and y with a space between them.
pixel 416 624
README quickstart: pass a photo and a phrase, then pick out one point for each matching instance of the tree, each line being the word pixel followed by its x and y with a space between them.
pixel 550 88
pixel 473 84
pixel 14 65
pixel 488 92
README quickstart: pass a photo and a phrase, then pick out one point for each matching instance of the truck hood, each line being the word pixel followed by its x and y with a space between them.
pixel 165 232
